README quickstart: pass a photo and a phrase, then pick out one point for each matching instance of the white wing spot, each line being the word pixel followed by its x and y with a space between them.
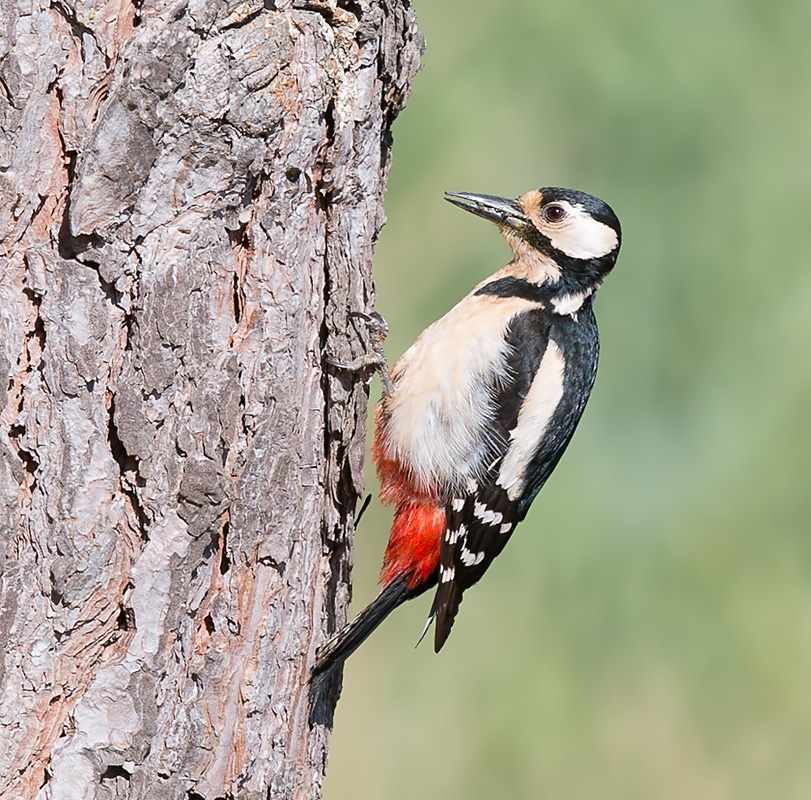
pixel 451 537
pixel 506 528
pixel 487 516
pixel 458 503
pixel 446 574
pixel 469 558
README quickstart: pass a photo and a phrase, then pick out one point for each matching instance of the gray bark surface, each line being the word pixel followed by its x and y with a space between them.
pixel 189 197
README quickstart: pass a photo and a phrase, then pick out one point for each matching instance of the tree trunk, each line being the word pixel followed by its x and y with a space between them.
pixel 189 197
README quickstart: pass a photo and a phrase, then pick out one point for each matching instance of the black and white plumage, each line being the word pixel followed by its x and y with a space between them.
pixel 554 362
pixel 482 406
pixel 539 383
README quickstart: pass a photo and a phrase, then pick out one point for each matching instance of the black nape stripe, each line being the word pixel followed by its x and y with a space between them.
pixel 515 287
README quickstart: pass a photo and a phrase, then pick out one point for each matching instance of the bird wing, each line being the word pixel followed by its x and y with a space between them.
pixel 552 362
pixel 478 527
pixel 552 367
pixel 479 522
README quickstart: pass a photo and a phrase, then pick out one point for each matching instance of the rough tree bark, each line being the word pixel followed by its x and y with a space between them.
pixel 190 192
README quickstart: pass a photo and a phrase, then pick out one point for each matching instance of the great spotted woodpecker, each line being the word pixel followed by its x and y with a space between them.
pixel 480 408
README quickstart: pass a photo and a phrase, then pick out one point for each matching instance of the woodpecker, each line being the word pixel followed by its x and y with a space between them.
pixel 479 410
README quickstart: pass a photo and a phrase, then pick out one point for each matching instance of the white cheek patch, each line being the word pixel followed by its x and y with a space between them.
pixel 580 235
pixel 539 405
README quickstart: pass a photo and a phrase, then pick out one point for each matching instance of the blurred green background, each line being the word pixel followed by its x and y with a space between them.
pixel 647 633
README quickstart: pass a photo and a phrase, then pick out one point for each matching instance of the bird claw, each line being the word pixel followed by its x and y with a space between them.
pixel 368 360
pixel 375 357
pixel 374 321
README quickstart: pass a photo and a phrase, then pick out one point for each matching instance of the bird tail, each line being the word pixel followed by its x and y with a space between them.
pixel 353 635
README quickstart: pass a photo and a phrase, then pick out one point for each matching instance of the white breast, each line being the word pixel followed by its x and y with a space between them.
pixel 441 410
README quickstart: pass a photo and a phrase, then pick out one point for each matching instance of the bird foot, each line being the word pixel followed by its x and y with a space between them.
pixel 375 356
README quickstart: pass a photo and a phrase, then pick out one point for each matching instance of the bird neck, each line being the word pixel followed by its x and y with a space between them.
pixel 563 291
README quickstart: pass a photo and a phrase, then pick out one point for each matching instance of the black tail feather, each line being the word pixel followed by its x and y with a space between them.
pixel 446 604
pixel 353 635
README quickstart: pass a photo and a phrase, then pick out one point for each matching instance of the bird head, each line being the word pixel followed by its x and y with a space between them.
pixel 571 237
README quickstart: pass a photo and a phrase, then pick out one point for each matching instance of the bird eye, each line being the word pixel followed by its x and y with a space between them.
pixel 553 213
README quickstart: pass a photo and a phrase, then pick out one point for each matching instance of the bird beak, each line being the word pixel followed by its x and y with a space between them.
pixel 497 209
